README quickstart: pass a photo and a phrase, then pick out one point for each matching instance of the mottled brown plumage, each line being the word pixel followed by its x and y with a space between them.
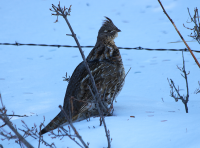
pixel 107 69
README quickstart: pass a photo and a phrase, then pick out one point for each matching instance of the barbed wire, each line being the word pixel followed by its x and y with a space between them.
pixel 127 48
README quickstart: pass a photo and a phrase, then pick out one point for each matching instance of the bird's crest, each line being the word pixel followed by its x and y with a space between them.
pixel 107 21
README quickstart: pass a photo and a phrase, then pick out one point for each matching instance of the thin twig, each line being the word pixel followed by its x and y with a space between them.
pixel 6 120
pixel 196 28
pixel 60 11
pixel 82 100
pixel 62 135
pixel 74 129
pixel 33 132
pixel 102 119
pixel 39 136
pixel 179 34
pixel 198 89
pixel 184 99
pixel 8 136
pixel 16 115
pixel 186 81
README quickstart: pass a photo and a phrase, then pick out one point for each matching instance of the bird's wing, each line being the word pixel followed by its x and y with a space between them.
pixel 78 99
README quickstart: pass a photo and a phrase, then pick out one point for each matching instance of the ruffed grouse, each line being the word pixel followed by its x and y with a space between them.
pixel 107 69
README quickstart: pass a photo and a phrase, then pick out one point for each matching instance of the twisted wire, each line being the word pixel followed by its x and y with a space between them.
pixel 127 48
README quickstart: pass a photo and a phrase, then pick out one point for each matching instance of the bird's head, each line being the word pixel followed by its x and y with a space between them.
pixel 105 47
pixel 108 31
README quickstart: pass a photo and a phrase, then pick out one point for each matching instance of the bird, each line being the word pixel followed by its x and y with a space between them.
pixel 107 68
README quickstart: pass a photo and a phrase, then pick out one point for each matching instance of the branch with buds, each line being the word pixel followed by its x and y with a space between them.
pixel 33 132
pixel 19 139
pixel 64 12
pixel 196 29
pixel 175 92
pixel 62 132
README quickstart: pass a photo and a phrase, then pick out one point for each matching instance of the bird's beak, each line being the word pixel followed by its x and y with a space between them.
pixel 118 30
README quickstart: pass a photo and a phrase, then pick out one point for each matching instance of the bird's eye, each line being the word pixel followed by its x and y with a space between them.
pixel 110 31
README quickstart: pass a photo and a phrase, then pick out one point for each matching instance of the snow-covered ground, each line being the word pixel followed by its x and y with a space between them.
pixel 31 77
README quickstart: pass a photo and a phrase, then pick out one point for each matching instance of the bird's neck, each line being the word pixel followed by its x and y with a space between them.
pixel 105 50
pixel 106 41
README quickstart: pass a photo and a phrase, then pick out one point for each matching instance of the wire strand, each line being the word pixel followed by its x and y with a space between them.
pixel 126 48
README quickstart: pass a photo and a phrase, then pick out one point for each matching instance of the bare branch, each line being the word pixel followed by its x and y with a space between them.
pixel 15 115
pixel 8 136
pixel 39 136
pixel 65 12
pixel 102 119
pixel 7 121
pixel 184 99
pixel 198 89
pixel 62 132
pixel 33 132
pixel 74 129
pixel 66 78
pixel 196 28
pixel 179 34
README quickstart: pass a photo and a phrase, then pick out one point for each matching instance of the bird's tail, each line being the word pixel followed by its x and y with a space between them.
pixel 60 119
pixel 55 123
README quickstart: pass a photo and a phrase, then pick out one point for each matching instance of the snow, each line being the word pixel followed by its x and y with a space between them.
pixel 31 80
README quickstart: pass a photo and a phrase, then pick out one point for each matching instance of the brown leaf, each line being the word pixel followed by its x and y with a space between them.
pixel 132 116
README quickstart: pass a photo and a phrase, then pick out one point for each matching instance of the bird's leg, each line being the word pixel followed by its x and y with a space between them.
pixel 88 113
